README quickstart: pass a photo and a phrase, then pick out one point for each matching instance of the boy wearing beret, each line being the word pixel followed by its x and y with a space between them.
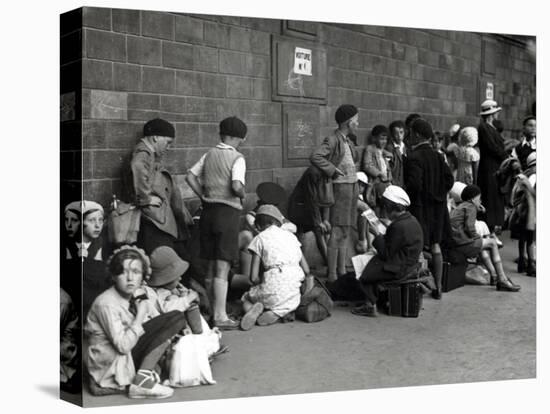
pixel 336 157
pixel 428 179
pixel 218 179
pixel 164 216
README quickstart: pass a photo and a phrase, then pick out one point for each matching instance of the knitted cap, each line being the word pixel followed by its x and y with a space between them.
pixel 233 127
pixel 271 193
pixel 90 206
pixel 73 207
pixel 456 191
pixel 397 195
pixel 159 127
pixel 345 112
pixel 271 211
pixel 469 192
pixel 166 266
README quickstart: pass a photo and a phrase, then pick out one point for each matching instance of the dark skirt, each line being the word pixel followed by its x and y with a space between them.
pixel 157 330
pixel 471 249
pixel 344 210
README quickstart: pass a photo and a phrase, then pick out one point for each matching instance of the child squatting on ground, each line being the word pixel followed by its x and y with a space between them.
pixel 276 290
pixel 124 332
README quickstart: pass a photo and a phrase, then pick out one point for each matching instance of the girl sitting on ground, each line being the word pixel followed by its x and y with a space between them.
pixel 276 291
pixel 125 332
pixel 467 241
pixel 165 290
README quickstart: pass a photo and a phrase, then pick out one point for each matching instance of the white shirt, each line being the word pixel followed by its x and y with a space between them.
pixel 238 171
pixel 532 144
pixel 399 146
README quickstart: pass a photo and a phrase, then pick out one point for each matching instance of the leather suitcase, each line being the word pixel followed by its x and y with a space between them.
pixel 454 276
pixel 401 299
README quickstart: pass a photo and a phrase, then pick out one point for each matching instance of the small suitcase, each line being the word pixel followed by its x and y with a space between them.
pixel 401 299
pixel 454 276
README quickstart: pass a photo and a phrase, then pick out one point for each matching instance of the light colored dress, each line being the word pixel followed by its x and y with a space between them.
pixel 465 156
pixel 280 253
pixel 111 334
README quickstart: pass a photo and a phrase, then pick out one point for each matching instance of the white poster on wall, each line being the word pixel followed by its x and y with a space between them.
pixel 302 61
pixel 490 91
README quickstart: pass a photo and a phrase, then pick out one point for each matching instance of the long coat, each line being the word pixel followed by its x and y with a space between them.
pixel 150 178
pixel 428 179
pixel 492 153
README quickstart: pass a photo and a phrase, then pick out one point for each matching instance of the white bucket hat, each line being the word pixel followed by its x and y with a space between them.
pixel 489 107
pixel 397 195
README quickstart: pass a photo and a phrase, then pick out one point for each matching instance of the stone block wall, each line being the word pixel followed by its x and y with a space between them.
pixel 194 70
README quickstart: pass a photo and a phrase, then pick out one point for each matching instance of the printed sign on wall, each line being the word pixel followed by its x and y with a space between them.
pixel 302 61
pixel 490 91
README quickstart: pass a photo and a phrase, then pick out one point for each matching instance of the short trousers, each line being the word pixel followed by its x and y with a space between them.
pixel 219 227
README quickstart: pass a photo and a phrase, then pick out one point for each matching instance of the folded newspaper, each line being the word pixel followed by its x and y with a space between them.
pixel 360 262
pixel 374 221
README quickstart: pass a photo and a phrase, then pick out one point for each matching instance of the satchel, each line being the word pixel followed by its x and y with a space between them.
pixel 124 224
pixel 315 304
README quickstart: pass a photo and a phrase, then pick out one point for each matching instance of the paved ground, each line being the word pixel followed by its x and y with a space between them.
pixel 474 334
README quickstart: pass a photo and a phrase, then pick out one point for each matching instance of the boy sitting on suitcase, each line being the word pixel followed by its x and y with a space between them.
pixel 397 251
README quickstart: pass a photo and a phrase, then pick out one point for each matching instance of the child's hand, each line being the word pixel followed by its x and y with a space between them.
pixel 192 297
pixel 327 225
pixel 144 308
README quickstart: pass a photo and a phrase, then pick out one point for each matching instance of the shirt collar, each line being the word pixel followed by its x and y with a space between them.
pixel 223 145
pixel 532 143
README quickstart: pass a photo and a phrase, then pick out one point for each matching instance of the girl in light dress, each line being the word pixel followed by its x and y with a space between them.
pixel 467 156
pixel 276 290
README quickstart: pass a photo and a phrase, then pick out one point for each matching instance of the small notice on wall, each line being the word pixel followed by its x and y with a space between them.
pixel 302 61
pixel 490 91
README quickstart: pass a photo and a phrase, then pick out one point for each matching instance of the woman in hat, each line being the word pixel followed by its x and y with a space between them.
pixel 467 241
pixel 398 249
pixel 276 291
pixel 165 218
pixel 523 220
pixel 492 153
pixel 124 331
pixel 336 157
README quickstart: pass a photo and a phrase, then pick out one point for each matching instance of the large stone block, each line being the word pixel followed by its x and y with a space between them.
pixel 159 25
pixel 205 59
pixel 261 89
pixel 158 80
pixel 108 104
pixel 238 87
pixel 273 113
pixel 109 163
pixel 142 115
pixel 126 77
pixel 216 35
pixel 240 39
pixel 187 135
pixel 71 47
pixel 99 191
pixel 208 135
pixel 126 21
pixel 144 51
pixel 70 21
pixel 96 17
pixel 105 45
pixel 93 134
pixel 177 55
pixel 188 29
pixel 265 25
pixel 123 134
pixel 143 101
pixel 188 83
pixel 398 51
pixel 260 43
pixel 213 85
pixel 255 177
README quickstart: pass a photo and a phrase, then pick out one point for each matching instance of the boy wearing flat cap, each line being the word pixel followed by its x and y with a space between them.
pixel 397 250
pixel 428 179
pixel 218 179
pixel 336 158
pixel 164 217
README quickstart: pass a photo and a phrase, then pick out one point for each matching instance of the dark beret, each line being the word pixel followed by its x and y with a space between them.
pixel 233 127
pixel 159 127
pixel 469 192
pixel 345 112
pixel 422 128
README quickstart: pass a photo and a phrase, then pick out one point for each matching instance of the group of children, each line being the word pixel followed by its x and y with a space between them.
pixel 137 302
